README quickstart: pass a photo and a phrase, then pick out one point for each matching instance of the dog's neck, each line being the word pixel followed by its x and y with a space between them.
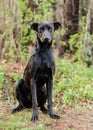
pixel 42 46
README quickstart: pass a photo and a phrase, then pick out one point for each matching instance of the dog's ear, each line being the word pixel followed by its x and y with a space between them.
pixel 57 25
pixel 34 26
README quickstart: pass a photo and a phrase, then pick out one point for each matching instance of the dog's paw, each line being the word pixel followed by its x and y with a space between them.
pixel 17 109
pixel 54 116
pixel 14 111
pixel 34 117
pixel 44 110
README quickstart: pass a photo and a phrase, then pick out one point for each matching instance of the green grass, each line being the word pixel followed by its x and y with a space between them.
pixel 74 81
pixel 22 121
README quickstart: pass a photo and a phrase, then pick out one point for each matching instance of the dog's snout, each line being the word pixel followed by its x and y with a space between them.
pixel 46 39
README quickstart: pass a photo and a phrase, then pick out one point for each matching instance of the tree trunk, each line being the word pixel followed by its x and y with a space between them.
pixel 9 24
pixel 67 12
pixel 88 47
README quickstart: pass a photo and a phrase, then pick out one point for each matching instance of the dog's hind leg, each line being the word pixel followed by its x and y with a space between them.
pixel 17 109
pixel 23 96
pixel 42 97
pixel 44 110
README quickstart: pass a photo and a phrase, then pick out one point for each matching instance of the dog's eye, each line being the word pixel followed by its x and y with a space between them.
pixel 50 29
pixel 41 30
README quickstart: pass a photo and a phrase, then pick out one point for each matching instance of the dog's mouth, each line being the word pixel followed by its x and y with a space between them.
pixel 46 40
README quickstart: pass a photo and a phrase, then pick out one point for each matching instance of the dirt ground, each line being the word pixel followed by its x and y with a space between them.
pixel 79 117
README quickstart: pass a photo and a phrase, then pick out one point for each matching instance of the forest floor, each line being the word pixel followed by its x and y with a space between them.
pixel 78 117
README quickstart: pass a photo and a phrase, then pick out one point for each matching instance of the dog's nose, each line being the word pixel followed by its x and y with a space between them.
pixel 46 39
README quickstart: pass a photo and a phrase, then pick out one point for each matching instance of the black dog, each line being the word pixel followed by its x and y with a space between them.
pixel 36 86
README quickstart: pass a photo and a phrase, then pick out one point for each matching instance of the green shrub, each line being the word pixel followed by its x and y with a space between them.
pixel 27 16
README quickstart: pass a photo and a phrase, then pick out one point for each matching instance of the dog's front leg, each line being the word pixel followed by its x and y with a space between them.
pixel 49 91
pixel 34 100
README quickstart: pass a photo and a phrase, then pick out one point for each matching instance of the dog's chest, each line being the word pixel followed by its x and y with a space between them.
pixel 46 61
pixel 45 67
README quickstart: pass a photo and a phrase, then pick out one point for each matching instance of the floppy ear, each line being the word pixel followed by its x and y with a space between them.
pixel 57 25
pixel 34 26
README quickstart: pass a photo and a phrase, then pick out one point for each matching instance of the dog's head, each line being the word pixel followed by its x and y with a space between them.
pixel 45 30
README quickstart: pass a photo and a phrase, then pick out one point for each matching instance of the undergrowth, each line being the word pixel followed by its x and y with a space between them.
pixel 73 81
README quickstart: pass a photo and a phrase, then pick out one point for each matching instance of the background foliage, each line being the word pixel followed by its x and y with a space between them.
pixel 72 45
